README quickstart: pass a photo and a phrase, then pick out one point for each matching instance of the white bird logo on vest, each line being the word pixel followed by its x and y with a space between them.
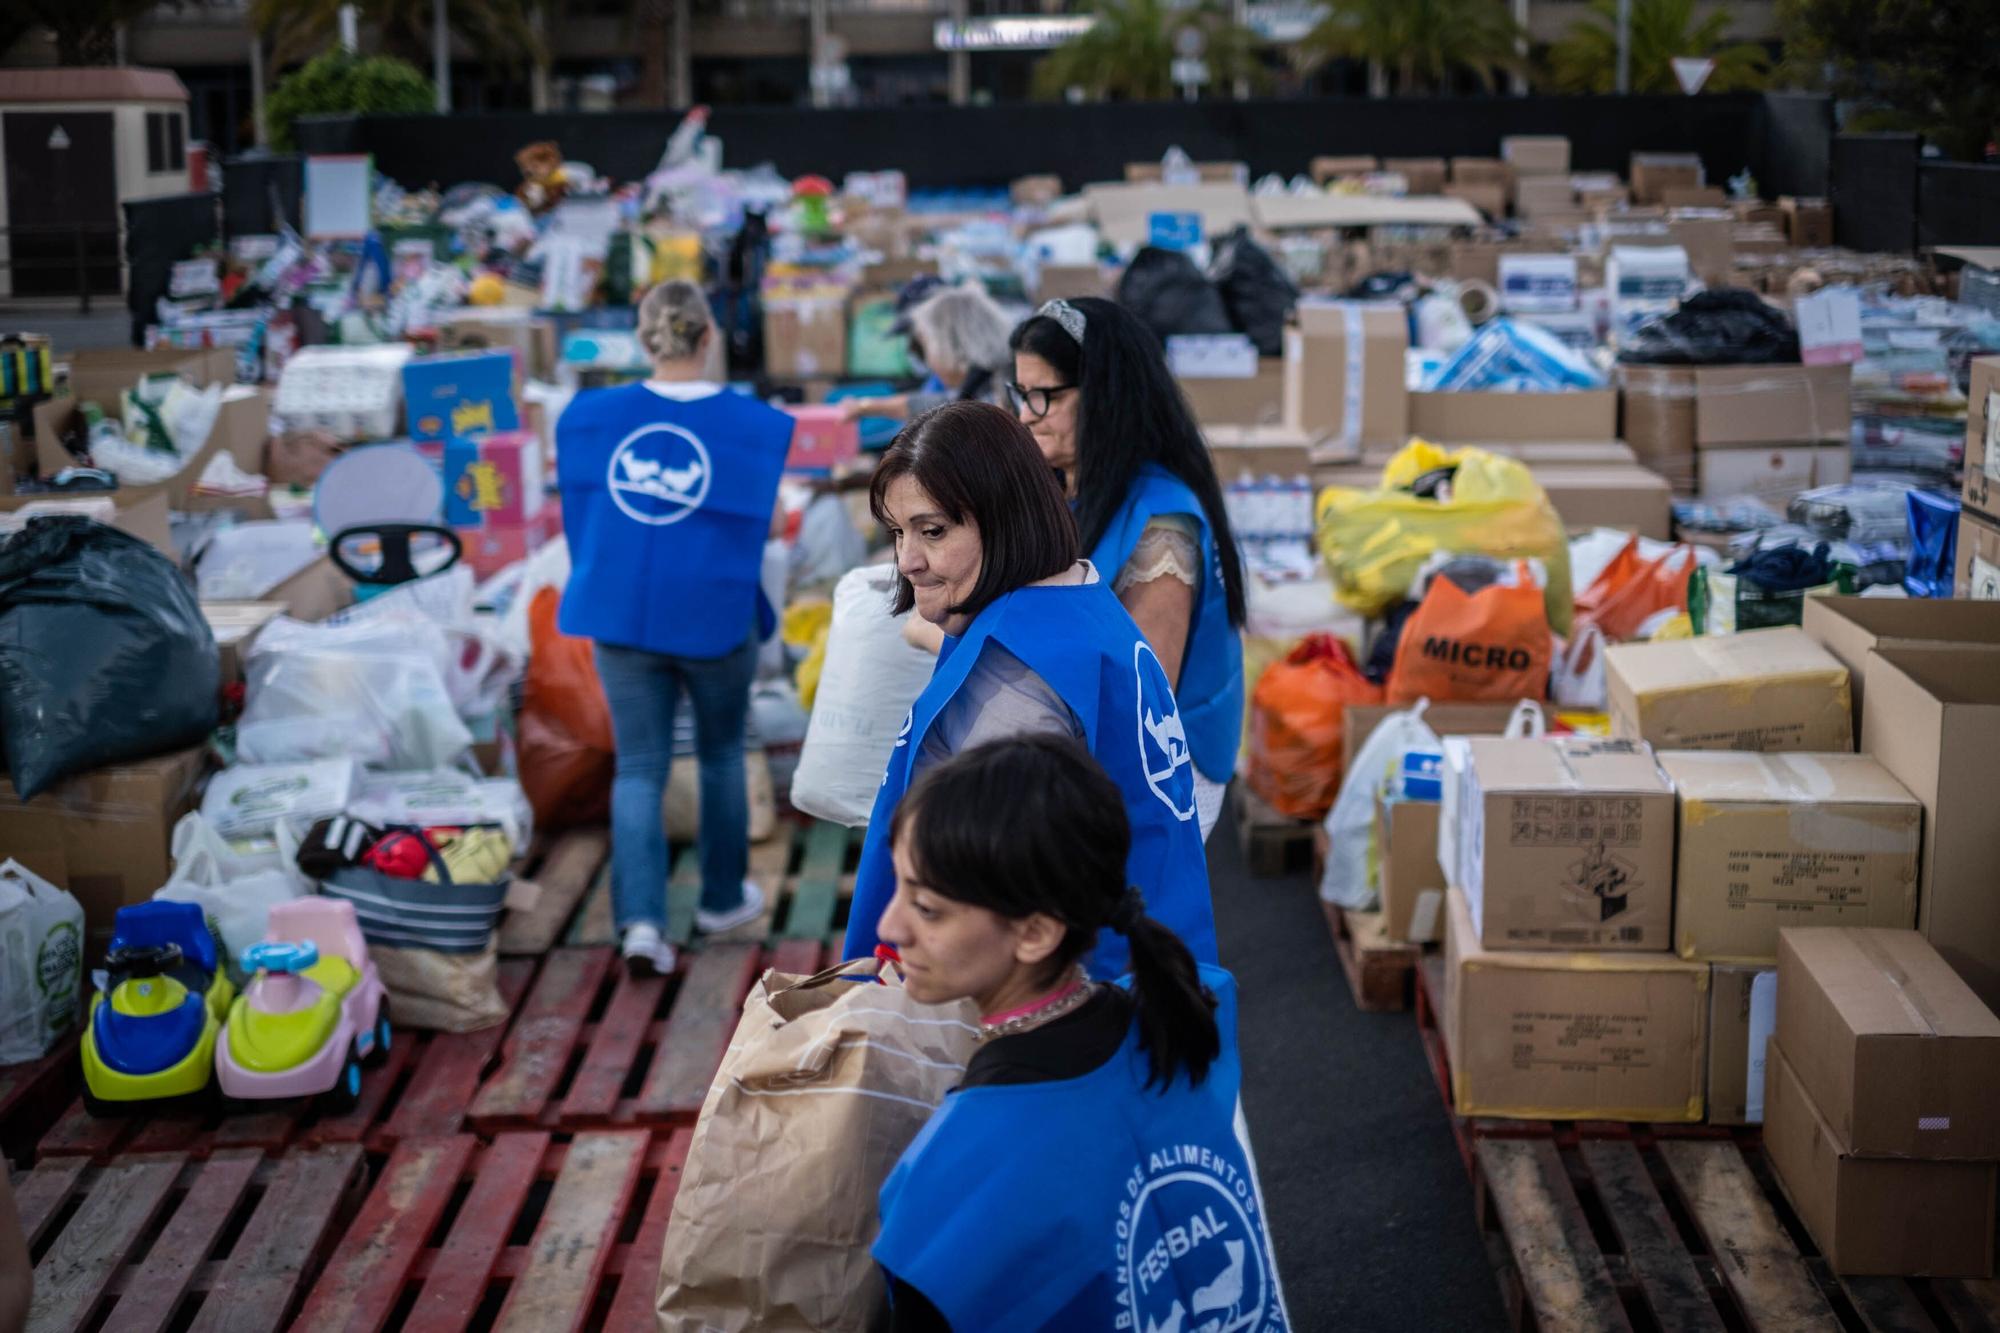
pixel 654 478
pixel 1171 737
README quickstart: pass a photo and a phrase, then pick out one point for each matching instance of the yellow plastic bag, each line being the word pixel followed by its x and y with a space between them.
pixel 1373 542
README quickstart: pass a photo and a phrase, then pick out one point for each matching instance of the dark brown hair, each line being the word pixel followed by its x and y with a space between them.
pixel 977 461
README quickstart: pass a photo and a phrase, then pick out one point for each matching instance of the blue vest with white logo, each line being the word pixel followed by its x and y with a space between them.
pixel 1212 668
pixel 666 505
pixel 1080 641
pixel 1091 1203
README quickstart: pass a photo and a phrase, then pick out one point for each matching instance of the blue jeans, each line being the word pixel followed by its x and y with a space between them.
pixel 642 689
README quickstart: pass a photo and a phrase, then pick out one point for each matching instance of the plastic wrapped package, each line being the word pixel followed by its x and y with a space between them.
pixel 445 797
pixel 104 653
pixel 1373 542
pixel 249 800
pixel 374 692
pixel 1508 355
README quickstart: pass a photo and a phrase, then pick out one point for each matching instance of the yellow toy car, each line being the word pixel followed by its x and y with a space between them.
pixel 152 1032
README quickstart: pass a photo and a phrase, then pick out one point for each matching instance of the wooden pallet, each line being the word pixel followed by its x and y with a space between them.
pixel 593 1047
pixel 422 1088
pixel 1380 972
pixel 157 1241
pixel 1273 844
pixel 33 1096
pixel 523 1233
pixel 1682 1228
pixel 565 871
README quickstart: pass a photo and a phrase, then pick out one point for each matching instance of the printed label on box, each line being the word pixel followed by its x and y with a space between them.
pixel 1173 231
pixel 1985 581
pixel 1830 327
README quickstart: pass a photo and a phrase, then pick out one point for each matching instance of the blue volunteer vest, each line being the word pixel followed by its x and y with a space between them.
pixel 1083 644
pixel 666 505
pixel 1212 668
pixel 1091 1203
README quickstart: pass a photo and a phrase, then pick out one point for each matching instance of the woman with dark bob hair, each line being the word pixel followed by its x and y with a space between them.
pixel 1090 1170
pixel 1092 385
pixel 1034 643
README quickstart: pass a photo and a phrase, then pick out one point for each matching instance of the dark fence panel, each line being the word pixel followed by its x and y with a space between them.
pixel 1874 191
pixel 1958 203
pixel 1795 141
pixel 943 147
pixel 259 192
pixel 158 234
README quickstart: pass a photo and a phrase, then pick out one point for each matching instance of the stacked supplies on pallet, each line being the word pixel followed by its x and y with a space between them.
pixel 1910 384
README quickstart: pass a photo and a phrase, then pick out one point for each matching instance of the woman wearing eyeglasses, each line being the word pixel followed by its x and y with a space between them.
pixel 1092 385
pixel 1033 644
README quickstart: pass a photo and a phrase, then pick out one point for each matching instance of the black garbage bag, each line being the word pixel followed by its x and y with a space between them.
pixel 105 655
pixel 1170 295
pixel 1723 327
pixel 1255 291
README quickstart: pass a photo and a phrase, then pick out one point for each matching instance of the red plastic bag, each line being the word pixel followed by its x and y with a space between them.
pixel 566 751
pixel 1632 590
pixel 1490 645
pixel 1297 715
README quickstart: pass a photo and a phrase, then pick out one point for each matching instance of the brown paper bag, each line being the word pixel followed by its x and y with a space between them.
pixel 825 1083
pixel 445 992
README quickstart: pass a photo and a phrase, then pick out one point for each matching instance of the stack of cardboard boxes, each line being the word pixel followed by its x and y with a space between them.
pixel 1978 574
pixel 1719 432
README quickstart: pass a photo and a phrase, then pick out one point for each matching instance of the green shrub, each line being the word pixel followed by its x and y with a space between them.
pixel 337 81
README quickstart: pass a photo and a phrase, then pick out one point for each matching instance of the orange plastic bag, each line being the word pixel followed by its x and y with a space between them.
pixel 1298 712
pixel 1632 589
pixel 1490 645
pixel 566 752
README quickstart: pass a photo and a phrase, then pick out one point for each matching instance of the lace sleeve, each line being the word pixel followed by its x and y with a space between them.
pixel 1168 548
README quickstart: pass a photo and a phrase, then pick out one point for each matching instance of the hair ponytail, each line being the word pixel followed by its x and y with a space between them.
pixel 1174 1011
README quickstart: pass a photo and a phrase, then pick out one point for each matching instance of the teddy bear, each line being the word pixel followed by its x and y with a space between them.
pixel 543 182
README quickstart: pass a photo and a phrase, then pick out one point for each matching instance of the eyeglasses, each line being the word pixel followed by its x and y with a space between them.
pixel 1037 401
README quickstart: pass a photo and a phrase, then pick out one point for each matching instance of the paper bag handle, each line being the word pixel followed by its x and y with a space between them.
pixel 875 967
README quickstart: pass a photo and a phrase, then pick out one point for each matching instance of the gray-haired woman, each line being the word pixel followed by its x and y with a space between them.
pixel 960 334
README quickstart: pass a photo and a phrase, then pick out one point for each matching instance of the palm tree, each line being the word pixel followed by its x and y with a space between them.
pixel 1586 61
pixel 1128 53
pixel 1426 42
pixel 501 31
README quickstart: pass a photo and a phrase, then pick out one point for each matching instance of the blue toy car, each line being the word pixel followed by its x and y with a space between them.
pixel 152 1031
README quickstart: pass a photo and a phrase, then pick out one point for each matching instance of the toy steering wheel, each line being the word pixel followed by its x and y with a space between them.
pixel 144 960
pixel 280 957
pixel 395 541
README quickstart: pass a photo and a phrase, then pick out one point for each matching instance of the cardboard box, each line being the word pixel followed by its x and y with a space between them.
pixel 1808 222
pixel 491 547
pixel 1572 1036
pixel 1565 843
pixel 1069 281
pixel 459 397
pixel 1981 491
pixel 1412 882
pixel 1694 196
pixel 1742 1011
pixel 315 592
pixel 1256 401
pixel 146 518
pixel 1766 689
pixel 805 338
pixel 1771 473
pixel 1539 196
pixel 1977 576
pixel 1933 720
pixel 1582 414
pixel 1479 261
pixel 1539 454
pixel 1358 721
pixel 1898 1054
pixel 1277 451
pixel 1421 175
pixel 1609 496
pixel 100 374
pixel 1324 169
pixel 1653 174
pixel 1775 840
pixel 1536 154
pixel 1852 627
pixel 236 625
pixel 1771 404
pixel 1710 245
pixel 1035 190
pixel 1123 213
pixel 531 337
pixel 1886 1216
pixel 1207 173
pixel 1319 401
pixel 498 478
pixel 1489 197
pixel 113 826
pixel 1478 171
pixel 242 427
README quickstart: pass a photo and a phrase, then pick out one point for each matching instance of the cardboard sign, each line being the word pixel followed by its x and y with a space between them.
pixel 1830 327
pixel 1173 231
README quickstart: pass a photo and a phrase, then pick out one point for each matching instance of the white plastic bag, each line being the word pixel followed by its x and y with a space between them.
pixel 1527 721
pixel 238 906
pixel 445 796
pixel 1347 881
pixel 1578 678
pixel 248 800
pixel 373 691
pixel 870 680
pixel 41 963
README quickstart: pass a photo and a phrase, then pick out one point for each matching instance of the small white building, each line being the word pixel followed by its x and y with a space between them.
pixel 75 145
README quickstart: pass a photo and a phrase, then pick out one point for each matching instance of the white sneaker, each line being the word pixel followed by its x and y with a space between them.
pixel 714 923
pixel 646 954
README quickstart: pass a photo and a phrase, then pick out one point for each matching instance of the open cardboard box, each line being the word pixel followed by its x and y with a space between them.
pixel 99 374
pixel 242 427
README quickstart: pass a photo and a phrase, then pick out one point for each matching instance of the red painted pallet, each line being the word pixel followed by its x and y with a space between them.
pixel 523 1233
pixel 423 1088
pixel 155 1241
pixel 594 1047
pixel 33 1095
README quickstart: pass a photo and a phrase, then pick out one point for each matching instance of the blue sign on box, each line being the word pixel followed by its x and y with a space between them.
pixel 1173 231
pixel 459 397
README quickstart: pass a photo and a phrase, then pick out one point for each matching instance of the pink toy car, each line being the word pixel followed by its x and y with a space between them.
pixel 311 1015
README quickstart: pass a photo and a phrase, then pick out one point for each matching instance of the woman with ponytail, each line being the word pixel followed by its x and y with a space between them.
pixel 1089 1172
